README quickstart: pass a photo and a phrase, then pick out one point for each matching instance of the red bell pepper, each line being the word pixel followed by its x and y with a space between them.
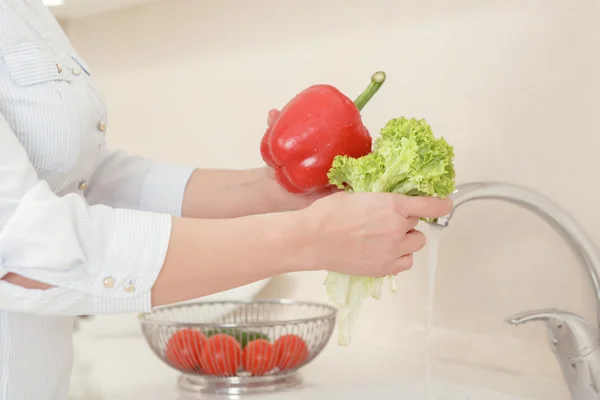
pixel 314 127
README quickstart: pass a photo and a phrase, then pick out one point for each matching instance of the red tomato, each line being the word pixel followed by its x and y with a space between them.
pixel 290 351
pixel 184 349
pixel 221 355
pixel 258 357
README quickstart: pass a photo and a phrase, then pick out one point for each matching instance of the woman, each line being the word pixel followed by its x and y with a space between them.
pixel 86 230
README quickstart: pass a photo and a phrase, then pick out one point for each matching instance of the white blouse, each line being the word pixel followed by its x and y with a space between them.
pixel 91 222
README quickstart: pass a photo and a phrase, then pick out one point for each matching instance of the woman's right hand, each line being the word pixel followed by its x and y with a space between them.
pixel 365 234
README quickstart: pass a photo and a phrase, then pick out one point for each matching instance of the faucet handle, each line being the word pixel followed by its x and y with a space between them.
pixel 575 344
pixel 569 334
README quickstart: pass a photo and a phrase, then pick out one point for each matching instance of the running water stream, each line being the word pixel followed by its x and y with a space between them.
pixel 433 240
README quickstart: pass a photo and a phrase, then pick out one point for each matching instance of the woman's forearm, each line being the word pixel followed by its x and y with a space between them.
pixel 219 178
pixel 209 256
pixel 231 194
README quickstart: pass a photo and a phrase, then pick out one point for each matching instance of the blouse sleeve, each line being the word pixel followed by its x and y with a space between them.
pixel 126 181
pixel 98 258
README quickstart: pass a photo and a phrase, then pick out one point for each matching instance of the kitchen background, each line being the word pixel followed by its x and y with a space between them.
pixel 512 84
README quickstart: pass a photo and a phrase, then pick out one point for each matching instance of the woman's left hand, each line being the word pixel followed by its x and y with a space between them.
pixel 290 201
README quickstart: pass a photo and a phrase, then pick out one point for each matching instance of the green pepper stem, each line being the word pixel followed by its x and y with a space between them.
pixel 376 81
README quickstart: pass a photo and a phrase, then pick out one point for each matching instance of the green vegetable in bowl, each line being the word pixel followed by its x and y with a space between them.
pixel 242 336
pixel 407 159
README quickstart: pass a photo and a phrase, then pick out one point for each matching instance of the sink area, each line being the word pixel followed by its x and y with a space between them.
pixel 382 373
pixel 367 370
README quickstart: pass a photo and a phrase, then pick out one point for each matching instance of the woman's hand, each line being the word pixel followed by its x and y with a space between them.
pixel 365 234
pixel 281 198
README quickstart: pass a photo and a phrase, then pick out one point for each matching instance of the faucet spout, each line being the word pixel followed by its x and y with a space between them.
pixel 581 245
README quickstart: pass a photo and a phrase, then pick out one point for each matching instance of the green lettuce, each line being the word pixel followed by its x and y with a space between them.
pixel 407 159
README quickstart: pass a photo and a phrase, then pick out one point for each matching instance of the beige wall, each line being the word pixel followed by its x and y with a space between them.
pixel 513 84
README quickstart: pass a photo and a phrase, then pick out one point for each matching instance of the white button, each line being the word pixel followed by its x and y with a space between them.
pixel 76 71
pixel 83 185
pixel 102 126
pixel 109 282
pixel 130 287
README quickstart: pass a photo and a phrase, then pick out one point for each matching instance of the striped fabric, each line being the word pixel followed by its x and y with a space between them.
pixel 30 64
pixel 92 222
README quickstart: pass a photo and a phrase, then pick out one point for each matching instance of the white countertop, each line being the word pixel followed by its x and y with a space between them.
pixel 111 366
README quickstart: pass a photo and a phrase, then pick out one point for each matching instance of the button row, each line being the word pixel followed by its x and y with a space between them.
pixel 75 70
pixel 83 185
pixel 109 283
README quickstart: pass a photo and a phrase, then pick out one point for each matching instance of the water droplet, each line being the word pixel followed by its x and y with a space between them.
pixel 316 115
pixel 305 118
pixel 337 122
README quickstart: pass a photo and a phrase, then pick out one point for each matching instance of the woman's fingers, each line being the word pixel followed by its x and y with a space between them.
pixel 413 242
pixel 425 207
pixel 272 117
pixel 411 222
pixel 404 263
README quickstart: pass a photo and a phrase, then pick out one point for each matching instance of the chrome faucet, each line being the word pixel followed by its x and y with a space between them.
pixel 574 341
